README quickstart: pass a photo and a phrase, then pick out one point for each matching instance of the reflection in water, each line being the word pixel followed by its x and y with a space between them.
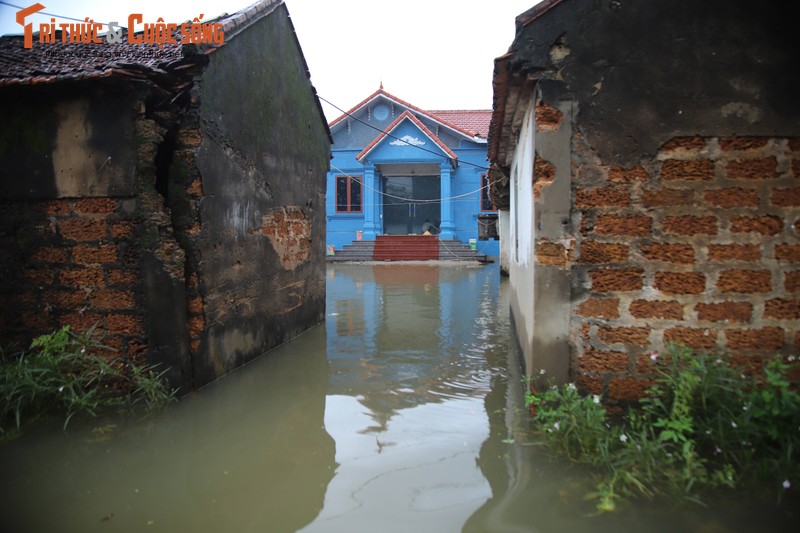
pixel 403 413
pixel 407 346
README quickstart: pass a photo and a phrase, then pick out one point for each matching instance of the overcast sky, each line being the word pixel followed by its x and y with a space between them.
pixel 435 54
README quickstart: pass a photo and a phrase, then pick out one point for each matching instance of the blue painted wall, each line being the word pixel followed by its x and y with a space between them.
pixel 352 134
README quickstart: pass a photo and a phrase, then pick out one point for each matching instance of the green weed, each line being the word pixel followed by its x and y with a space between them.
pixel 65 373
pixel 704 424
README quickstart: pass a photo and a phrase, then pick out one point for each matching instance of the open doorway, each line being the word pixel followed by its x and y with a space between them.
pixel 410 202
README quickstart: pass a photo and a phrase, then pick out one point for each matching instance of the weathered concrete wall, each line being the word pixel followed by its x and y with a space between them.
pixel 183 225
pixel 249 193
pixel 685 181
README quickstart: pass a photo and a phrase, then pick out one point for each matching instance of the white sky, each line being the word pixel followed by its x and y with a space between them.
pixel 435 54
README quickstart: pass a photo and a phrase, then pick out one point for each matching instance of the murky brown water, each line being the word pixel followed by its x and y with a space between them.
pixel 403 413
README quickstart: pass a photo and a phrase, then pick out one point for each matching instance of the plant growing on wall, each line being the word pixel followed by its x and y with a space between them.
pixel 705 423
pixel 64 373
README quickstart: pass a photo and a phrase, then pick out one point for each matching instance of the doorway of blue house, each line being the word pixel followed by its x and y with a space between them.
pixel 409 202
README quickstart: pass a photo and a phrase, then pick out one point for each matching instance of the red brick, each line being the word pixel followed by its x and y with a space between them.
pixel 744 281
pixel 548 117
pixel 667 197
pixel 617 174
pixel 630 225
pixel 792 281
pixel 794 144
pixel 668 252
pixel 725 311
pixel 112 299
pixel 98 206
pixel 54 207
pixel 692 169
pixel 680 282
pixel 189 137
pixel 690 225
pixel 603 252
pixel 696 338
pixel 683 144
pixel 82 277
pixel 50 255
pixel 195 188
pixel 667 309
pixel 195 305
pixel 40 276
pixel 616 279
pixel 734 252
pixel 121 230
pixel 550 253
pixel 769 338
pixel 94 254
pixel 628 389
pixel 82 230
pixel 738 144
pixel 782 309
pixel 752 169
pixel 607 308
pixel 732 197
pixel 118 276
pixel 544 173
pixel 639 336
pixel 601 197
pixel 601 362
pixel 70 299
pixel 765 225
pixel 124 324
pixel 81 322
pixel 589 384
pixel 786 197
pixel 787 252
pixel 197 325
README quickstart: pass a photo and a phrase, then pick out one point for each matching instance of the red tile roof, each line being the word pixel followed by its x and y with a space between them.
pixel 476 120
pixel 388 132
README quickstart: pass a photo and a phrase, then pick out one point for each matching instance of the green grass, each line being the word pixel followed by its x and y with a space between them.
pixel 704 425
pixel 68 374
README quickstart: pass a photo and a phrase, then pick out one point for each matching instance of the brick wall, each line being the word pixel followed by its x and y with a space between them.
pixel 70 262
pixel 698 246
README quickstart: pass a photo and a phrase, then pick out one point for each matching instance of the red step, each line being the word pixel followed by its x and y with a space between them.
pixel 406 248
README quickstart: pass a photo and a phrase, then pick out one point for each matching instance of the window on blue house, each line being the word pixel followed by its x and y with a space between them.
pixel 348 194
pixel 486 202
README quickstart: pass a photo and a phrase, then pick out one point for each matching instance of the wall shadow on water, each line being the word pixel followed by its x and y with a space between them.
pixel 247 453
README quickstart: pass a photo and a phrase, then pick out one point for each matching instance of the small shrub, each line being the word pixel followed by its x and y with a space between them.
pixel 703 424
pixel 64 373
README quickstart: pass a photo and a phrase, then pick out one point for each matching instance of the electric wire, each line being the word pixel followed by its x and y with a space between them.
pixel 460 197
pixel 48 14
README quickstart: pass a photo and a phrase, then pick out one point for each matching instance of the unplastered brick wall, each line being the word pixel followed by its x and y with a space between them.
pixel 699 246
pixel 69 262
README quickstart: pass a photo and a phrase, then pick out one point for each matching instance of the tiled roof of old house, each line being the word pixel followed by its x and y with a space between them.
pixel 476 120
pixel 58 61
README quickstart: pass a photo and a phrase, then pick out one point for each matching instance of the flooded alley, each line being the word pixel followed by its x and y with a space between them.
pixel 404 412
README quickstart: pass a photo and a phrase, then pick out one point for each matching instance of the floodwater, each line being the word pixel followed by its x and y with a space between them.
pixel 404 412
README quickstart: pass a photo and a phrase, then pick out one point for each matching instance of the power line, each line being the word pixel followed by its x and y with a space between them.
pixel 396 138
pixel 460 197
pixel 46 13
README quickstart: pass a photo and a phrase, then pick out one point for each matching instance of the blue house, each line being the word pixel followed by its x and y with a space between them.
pixel 397 170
